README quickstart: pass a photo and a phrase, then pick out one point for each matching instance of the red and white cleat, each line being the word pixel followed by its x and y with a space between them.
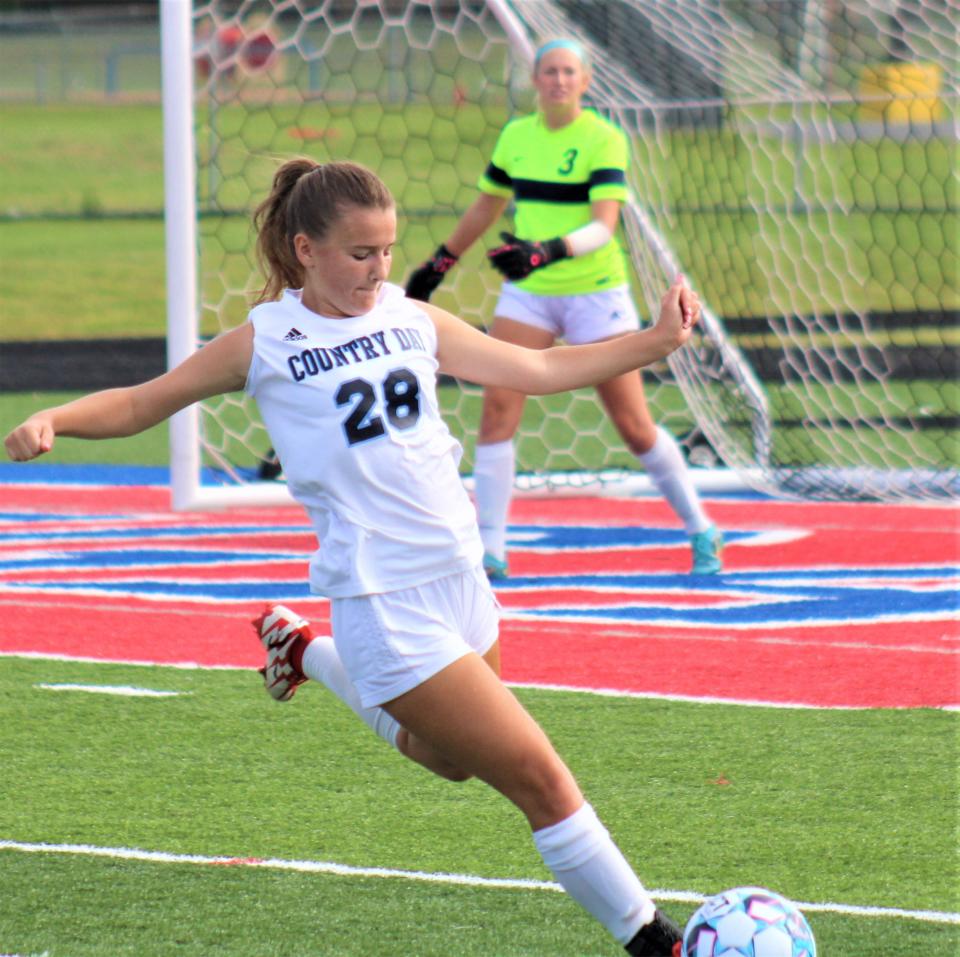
pixel 279 628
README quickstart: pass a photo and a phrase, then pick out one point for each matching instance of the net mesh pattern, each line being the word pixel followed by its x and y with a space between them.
pixel 797 162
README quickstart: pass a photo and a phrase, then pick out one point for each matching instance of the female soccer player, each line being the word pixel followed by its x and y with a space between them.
pixel 565 169
pixel 343 368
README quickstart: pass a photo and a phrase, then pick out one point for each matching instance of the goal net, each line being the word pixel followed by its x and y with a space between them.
pixel 797 161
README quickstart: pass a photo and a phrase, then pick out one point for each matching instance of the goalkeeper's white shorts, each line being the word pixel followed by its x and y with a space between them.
pixel 392 642
pixel 586 317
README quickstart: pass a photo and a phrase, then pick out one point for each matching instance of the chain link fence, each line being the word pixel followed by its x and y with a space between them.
pixel 67 53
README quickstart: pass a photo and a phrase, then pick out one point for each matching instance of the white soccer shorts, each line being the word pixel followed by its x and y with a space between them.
pixel 587 317
pixel 392 642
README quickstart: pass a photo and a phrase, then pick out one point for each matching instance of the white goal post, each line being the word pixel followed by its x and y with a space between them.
pixel 182 251
pixel 797 163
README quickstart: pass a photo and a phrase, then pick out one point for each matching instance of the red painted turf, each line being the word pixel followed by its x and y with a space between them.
pixel 903 663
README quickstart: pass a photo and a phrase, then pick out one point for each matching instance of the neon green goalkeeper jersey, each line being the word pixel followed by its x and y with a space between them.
pixel 553 176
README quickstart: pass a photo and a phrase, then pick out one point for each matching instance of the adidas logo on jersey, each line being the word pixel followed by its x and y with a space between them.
pixel 294 335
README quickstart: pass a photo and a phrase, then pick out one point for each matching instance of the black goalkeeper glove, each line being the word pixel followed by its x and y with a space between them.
pixel 517 258
pixel 424 281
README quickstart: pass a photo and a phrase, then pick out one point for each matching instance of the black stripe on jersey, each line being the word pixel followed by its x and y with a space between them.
pixel 602 177
pixel 547 192
pixel 539 190
pixel 499 176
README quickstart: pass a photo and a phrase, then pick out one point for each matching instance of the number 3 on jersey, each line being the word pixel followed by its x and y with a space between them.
pixel 401 402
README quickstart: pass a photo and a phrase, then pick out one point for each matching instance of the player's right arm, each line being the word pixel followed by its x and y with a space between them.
pixel 496 190
pixel 220 366
pixel 484 211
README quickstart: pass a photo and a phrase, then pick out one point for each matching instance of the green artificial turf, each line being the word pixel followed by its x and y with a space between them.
pixel 841 807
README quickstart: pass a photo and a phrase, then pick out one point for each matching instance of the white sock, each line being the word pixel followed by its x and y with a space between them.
pixel 591 869
pixel 669 473
pixel 322 663
pixel 493 476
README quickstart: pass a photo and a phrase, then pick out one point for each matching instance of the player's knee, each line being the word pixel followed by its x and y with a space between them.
pixel 546 791
pixel 500 418
pixel 445 769
pixel 455 774
pixel 639 435
pixel 413 748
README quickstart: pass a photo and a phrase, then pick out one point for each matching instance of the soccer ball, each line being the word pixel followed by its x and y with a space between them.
pixel 748 922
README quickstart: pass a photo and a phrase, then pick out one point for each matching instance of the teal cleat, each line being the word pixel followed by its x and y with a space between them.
pixel 706 548
pixel 495 568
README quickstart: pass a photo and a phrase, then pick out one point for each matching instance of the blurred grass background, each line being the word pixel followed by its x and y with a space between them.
pixel 82 242
pixel 81 201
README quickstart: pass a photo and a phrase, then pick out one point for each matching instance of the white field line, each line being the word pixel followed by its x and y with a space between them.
pixel 470 880
pixel 126 691
pixel 601 692
pixel 89 660
pixel 691 699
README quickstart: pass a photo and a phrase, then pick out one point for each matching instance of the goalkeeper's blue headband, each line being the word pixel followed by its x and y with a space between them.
pixel 574 46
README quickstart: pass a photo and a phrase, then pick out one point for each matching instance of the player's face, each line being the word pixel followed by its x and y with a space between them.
pixel 560 79
pixel 345 270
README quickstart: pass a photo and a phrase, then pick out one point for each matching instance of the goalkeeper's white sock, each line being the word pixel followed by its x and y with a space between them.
pixel 669 473
pixel 322 663
pixel 493 477
pixel 583 858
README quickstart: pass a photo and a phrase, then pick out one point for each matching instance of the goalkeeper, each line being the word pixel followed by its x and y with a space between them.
pixel 565 169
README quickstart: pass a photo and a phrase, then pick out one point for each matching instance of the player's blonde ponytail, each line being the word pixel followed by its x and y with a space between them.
pixel 307 197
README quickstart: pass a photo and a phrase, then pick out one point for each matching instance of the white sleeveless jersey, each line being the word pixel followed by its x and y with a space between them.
pixel 351 409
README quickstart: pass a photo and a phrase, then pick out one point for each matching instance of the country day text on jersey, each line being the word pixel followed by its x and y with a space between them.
pixel 317 359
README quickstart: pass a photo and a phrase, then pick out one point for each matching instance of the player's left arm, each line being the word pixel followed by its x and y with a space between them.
pixel 517 258
pixel 604 218
pixel 608 190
